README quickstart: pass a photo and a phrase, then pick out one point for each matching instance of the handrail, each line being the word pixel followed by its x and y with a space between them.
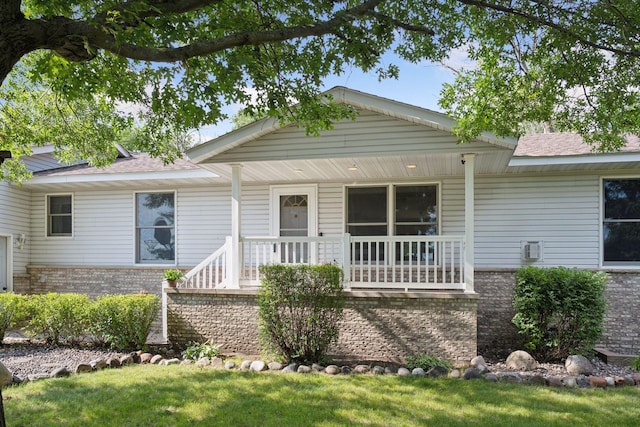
pixel 210 273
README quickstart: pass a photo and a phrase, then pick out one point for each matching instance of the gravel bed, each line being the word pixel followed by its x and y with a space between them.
pixel 26 358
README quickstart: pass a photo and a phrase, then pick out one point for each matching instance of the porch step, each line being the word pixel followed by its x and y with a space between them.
pixel 613 358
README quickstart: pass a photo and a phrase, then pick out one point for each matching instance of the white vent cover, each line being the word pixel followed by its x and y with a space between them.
pixel 531 251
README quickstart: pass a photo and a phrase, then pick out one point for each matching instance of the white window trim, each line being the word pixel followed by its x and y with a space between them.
pixel 282 190
pixel 624 265
pixel 391 208
pixel 46 217
pixel 135 227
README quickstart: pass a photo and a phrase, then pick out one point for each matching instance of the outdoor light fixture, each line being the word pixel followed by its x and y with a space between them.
pixel 21 239
pixel 353 167
pixel 412 166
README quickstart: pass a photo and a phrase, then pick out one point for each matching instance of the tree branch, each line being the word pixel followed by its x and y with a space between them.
pixel 102 40
pixel 550 24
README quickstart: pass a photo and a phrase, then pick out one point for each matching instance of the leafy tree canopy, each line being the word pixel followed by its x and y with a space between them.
pixel 573 64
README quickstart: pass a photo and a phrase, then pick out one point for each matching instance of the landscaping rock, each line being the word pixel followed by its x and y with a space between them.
pixel 510 377
pixel 418 372
pixel 582 381
pixel 135 356
pixel 17 379
pixel 537 380
pixel 578 365
pixel 98 364
pixel 317 367
pixel 361 369
pixel 628 379
pixel 113 362
pixel 6 377
pixel 636 378
pixel 187 362
pixel 332 370
pixel 570 382
pixel 292 368
pixel 83 367
pixel 229 364
pixel 390 370
pixel 555 381
pixel 203 361
pixel 455 373
pixel 346 370
pixel 245 365
pixel 126 360
pixel 438 371
pixel 491 377
pixel 156 359
pixel 404 372
pixel 304 369
pixel 521 361
pixel 479 363
pixel 145 357
pixel 257 366
pixel 471 373
pixel 597 382
pixel 275 366
pixel 167 362
pixel 216 362
pixel 377 370
pixel 36 377
pixel 60 372
pixel 610 381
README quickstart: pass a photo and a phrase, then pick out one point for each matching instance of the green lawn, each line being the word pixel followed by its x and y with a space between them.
pixel 189 396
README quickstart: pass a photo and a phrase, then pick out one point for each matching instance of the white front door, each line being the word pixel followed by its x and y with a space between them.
pixel 4 263
pixel 294 214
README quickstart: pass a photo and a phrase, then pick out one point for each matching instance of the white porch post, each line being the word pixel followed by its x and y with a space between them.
pixel 236 256
pixel 469 214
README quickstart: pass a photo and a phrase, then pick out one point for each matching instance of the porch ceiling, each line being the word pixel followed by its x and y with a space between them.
pixel 368 168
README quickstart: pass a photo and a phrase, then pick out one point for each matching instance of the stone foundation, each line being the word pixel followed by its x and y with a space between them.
pixel 497 335
pixel 376 326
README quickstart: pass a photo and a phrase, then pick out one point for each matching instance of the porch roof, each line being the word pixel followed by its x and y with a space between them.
pixel 387 140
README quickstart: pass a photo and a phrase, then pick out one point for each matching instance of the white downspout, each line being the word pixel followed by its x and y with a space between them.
pixel 469 216
pixel 236 191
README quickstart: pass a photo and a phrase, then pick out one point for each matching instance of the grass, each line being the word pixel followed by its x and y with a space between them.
pixel 185 395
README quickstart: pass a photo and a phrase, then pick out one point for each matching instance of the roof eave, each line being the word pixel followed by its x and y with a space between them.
pixel 577 159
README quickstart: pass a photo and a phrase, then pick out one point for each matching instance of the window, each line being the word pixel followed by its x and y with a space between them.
pixel 59 215
pixel 621 221
pixel 415 210
pixel 155 230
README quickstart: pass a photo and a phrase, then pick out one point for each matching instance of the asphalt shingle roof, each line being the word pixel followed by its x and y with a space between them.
pixel 562 144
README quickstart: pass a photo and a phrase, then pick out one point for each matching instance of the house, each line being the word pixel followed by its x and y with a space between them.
pixel 429 231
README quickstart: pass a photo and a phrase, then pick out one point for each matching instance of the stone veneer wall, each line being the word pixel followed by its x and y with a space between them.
pixel 497 335
pixel 94 281
pixel 376 326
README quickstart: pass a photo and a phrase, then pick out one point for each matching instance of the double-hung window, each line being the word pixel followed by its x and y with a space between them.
pixel 155 228
pixel 59 215
pixel 621 221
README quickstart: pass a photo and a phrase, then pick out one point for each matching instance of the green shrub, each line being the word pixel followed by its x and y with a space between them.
pixel 12 311
pixel 427 362
pixel 196 351
pixel 124 321
pixel 636 363
pixel 299 310
pixel 58 318
pixel 559 311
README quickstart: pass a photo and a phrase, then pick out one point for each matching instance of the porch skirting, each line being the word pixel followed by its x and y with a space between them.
pixel 381 326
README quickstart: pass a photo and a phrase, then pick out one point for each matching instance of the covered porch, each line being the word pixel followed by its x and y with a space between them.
pixel 371 192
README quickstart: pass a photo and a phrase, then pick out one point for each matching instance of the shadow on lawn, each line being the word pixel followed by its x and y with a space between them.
pixel 187 396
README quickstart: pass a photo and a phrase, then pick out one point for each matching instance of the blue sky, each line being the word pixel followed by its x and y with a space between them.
pixel 418 84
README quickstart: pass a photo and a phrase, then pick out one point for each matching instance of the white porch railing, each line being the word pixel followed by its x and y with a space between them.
pixel 374 262
pixel 212 272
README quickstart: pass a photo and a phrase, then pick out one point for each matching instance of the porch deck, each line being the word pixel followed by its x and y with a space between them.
pixel 371 262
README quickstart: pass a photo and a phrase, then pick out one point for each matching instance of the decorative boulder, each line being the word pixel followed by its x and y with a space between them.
pixel 145 357
pixel 377 370
pixel 578 365
pixel 418 372
pixel 438 371
pixel 83 367
pixel 332 370
pixel 479 363
pixel 98 364
pixel 257 366
pixel 6 377
pixel 471 373
pixel 304 369
pixel 229 364
pixel 521 361
pixel 404 372
pixel 156 359
pixel 60 372
pixel 245 365
pixel 275 366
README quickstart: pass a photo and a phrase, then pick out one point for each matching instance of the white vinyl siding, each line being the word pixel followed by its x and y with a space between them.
pixel 369 135
pixel 14 220
pixel 561 211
